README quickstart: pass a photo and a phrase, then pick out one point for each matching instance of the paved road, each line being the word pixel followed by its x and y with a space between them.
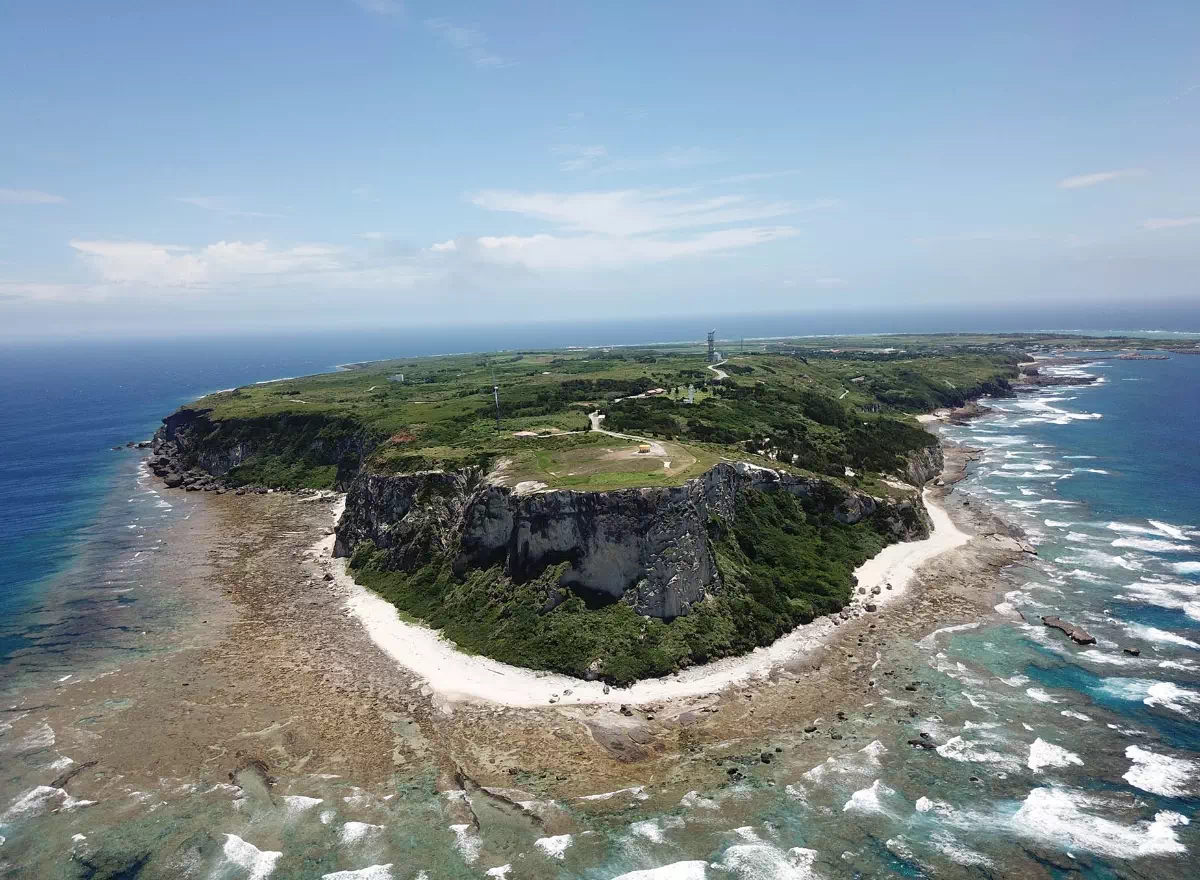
pixel 721 374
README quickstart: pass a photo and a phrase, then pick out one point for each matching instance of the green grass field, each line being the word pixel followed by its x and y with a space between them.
pixel 817 404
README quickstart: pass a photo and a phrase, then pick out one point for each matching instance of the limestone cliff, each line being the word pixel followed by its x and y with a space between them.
pixel 189 443
pixel 923 465
pixel 647 547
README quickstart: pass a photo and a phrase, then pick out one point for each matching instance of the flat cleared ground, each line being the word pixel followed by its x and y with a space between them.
pixel 607 463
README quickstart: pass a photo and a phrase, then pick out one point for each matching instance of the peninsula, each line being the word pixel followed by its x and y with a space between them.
pixel 611 514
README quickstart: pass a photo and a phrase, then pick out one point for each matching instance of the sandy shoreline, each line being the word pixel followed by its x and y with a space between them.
pixel 458 677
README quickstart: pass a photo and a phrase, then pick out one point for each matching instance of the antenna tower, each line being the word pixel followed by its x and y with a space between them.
pixel 496 397
pixel 712 346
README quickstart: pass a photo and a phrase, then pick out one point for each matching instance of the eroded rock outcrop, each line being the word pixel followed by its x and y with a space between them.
pixel 647 547
pixel 189 441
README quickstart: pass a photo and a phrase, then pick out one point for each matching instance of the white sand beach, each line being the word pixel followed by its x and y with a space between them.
pixel 455 676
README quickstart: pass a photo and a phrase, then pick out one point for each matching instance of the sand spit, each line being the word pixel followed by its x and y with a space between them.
pixel 458 677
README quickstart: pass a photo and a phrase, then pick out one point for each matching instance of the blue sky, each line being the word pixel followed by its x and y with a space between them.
pixel 192 166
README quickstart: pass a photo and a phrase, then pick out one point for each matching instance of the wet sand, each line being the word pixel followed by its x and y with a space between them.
pixel 273 674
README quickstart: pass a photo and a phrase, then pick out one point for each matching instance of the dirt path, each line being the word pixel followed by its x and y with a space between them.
pixel 656 448
pixel 720 374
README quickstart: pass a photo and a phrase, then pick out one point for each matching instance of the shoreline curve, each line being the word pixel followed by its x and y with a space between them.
pixel 459 677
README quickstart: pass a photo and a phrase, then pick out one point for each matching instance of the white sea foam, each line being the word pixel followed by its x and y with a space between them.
pixel 761 861
pixel 1044 754
pixel 1071 713
pixel 694 800
pixel 1039 695
pixel 864 761
pixel 1160 774
pixel 256 862
pixel 352 832
pixel 964 750
pixel 1152 692
pixel 939 808
pixel 689 870
pixel 649 829
pixel 1179 597
pixel 1153 545
pixel 1190 567
pixel 42 799
pixel 298 803
pixel 1067 818
pixel 1159 636
pixel 1099 559
pixel 1169 530
pixel 1058 524
pixel 637 792
pixel 554 847
pixel 944 842
pixel 1103 658
pixel 868 800
pixel 37 739
pixel 929 641
pixel 373 872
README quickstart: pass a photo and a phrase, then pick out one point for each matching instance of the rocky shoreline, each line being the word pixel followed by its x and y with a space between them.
pixel 269 672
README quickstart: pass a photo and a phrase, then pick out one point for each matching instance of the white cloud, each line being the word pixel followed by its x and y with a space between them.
pixel 596 159
pixel 468 41
pixel 29 197
pixel 1082 180
pixel 143 262
pixel 579 158
pixel 444 246
pixel 549 252
pixel 631 212
pixel 675 157
pixel 222 205
pixel 1156 223
pixel 611 229
pixel 381 7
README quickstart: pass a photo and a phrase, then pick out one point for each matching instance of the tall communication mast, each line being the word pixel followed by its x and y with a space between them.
pixel 712 346
pixel 496 397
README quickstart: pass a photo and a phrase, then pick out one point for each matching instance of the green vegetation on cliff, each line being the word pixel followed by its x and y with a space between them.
pixel 807 407
pixel 782 564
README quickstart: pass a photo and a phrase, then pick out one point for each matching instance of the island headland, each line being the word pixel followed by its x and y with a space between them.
pixel 611 515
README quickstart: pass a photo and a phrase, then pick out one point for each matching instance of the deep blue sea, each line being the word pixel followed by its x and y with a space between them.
pixel 1071 759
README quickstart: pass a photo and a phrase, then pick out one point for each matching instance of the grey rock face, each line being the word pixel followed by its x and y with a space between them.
pixel 924 465
pixel 191 440
pixel 646 547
